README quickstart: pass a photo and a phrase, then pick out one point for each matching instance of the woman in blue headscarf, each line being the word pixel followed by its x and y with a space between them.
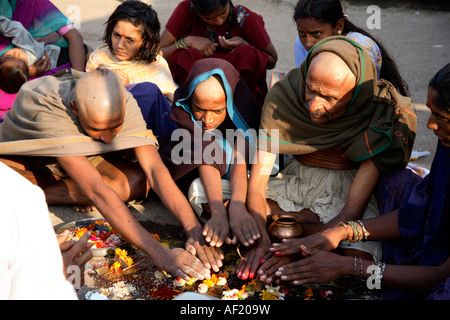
pixel 217 118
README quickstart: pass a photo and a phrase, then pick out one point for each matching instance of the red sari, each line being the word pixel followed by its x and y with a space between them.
pixel 249 60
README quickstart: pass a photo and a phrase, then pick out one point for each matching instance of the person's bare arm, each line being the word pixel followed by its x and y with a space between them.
pixel 201 44
pixel 167 44
pixel 273 56
pixel 326 266
pixel 235 42
pixel 217 228
pixel 361 190
pixel 242 224
pixel 161 181
pixel 76 49
pixel 257 206
pixel 110 205
pixel 379 228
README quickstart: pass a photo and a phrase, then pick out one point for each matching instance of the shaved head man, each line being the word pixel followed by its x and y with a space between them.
pixel 344 128
pixel 101 111
pixel 91 130
pixel 328 90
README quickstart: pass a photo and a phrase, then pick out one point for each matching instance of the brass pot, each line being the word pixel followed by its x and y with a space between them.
pixel 285 226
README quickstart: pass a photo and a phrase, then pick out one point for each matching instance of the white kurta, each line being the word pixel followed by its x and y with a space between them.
pixel 31 265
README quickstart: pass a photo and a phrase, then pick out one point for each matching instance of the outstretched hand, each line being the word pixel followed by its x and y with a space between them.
pixel 74 252
pixel 41 66
pixel 230 44
pixel 210 256
pixel 182 264
pixel 252 259
pixel 216 229
pixel 326 240
pixel 242 224
pixel 322 267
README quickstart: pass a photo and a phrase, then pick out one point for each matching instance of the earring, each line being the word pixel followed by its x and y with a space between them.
pixel 339 32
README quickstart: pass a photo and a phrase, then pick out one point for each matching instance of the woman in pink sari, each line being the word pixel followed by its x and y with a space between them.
pixel 46 23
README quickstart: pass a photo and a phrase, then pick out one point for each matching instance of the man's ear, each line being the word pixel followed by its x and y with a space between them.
pixel 74 108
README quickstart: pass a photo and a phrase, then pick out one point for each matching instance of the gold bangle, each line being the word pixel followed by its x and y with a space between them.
pixel 343 224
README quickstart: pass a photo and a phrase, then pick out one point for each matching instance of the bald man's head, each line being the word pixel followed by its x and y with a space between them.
pixel 100 95
pixel 327 65
pixel 100 104
pixel 329 87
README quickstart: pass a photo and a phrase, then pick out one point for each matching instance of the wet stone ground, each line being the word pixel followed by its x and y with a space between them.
pixel 141 282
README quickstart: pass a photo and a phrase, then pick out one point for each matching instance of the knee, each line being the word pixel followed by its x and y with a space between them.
pixel 130 184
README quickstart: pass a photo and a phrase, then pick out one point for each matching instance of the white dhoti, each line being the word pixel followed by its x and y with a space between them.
pixel 324 192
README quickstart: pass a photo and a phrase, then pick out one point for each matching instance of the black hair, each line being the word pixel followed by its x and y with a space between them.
pixel 12 77
pixel 206 7
pixel 331 11
pixel 139 14
pixel 441 84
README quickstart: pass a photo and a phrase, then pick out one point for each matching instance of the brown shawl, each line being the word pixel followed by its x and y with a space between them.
pixel 243 113
pixel 40 123
pixel 379 123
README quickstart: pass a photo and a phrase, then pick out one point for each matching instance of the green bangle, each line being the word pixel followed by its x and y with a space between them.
pixel 180 44
pixel 356 232
pixel 363 229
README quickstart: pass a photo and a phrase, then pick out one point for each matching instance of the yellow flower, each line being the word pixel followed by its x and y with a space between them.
pixel 80 232
pixel 268 295
pixel 211 282
pixel 122 254
pixel 116 267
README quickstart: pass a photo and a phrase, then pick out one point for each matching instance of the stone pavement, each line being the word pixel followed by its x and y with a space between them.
pixel 416 38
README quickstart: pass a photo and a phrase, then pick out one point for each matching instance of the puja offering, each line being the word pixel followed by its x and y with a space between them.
pixel 103 236
pixel 126 273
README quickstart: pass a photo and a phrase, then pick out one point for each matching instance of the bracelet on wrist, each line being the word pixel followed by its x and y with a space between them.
pixel 366 235
pixel 180 43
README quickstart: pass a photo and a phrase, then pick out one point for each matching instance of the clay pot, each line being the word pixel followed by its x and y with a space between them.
pixel 285 226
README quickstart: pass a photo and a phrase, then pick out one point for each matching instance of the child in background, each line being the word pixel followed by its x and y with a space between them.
pixel 132 48
pixel 46 24
pixel 28 58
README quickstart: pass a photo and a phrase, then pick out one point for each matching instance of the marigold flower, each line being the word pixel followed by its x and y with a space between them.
pixel 156 236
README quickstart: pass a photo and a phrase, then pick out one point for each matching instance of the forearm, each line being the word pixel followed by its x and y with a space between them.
pixel 403 277
pixel 174 200
pixel 381 228
pixel 212 184
pixel 167 44
pixel 119 216
pixel 359 194
pixel 161 181
pixel 256 194
pixel 238 183
pixel 77 55
pixel 273 56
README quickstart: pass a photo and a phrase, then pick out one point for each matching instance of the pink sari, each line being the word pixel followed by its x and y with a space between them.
pixel 42 19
